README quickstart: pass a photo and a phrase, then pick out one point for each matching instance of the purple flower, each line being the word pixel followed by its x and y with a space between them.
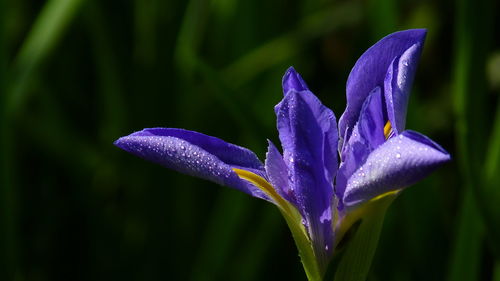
pixel 313 187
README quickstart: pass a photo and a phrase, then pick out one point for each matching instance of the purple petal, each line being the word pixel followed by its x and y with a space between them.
pixel 228 153
pixel 293 81
pixel 398 163
pixel 307 131
pixel 277 173
pixel 370 71
pixel 354 154
pixel 367 135
pixel 398 83
pixel 371 119
pixel 194 154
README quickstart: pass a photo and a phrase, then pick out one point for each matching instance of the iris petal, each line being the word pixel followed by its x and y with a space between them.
pixel 398 81
pixel 367 135
pixel 371 119
pixel 276 171
pixel 398 163
pixel 293 81
pixel 305 128
pixel 354 153
pixel 227 152
pixel 195 154
pixel 370 71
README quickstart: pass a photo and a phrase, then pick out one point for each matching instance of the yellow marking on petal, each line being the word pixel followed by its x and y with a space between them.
pixel 394 192
pixel 387 129
pixel 265 186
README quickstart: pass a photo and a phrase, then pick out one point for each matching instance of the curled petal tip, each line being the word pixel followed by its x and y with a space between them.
pixel 371 68
pixel 293 81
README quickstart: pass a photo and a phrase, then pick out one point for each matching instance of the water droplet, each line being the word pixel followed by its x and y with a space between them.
pixel 398 155
pixel 405 63
pixel 183 147
pixel 326 247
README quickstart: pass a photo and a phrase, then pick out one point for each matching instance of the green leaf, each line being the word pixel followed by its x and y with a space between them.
pixel 48 28
pixel 473 35
pixel 355 263
pixel 489 189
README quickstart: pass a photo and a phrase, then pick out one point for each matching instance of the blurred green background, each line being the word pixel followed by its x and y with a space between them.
pixel 75 75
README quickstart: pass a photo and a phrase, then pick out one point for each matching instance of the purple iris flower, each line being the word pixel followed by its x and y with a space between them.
pixel 324 173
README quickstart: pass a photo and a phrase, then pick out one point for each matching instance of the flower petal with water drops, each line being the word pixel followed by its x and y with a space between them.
pixel 195 154
pixel 305 128
pixel 367 135
pixel 397 85
pixel 370 71
pixel 398 163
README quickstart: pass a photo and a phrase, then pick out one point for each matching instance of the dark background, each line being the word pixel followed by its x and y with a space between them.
pixel 77 74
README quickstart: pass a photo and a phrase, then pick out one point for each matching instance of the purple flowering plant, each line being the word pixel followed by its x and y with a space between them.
pixel 328 175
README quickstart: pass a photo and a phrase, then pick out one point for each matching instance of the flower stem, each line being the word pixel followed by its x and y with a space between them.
pixel 305 248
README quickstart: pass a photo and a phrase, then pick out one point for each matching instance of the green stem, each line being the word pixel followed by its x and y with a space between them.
pixel 306 252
